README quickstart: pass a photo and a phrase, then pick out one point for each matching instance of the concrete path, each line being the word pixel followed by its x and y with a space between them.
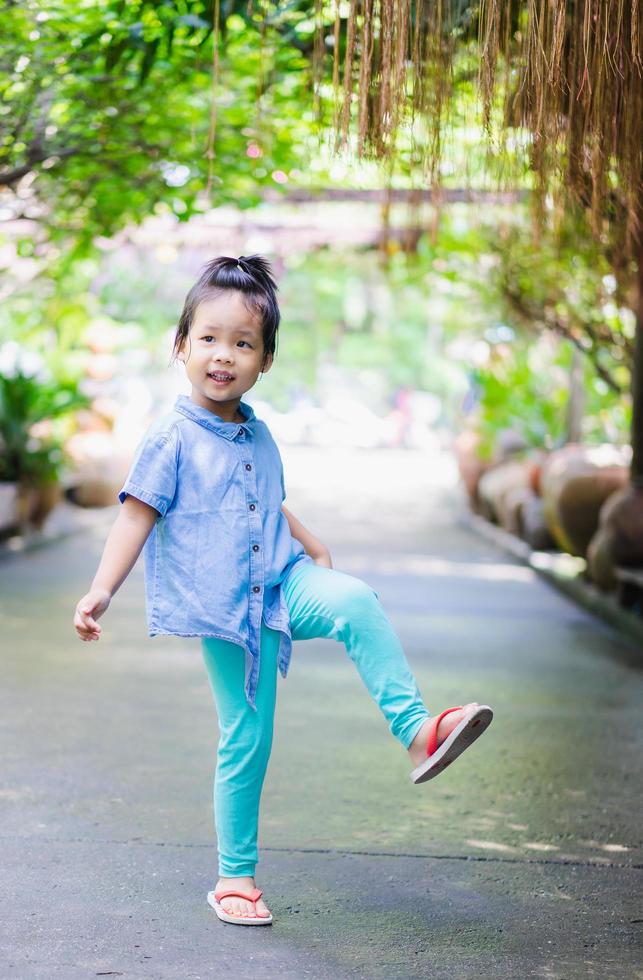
pixel 523 860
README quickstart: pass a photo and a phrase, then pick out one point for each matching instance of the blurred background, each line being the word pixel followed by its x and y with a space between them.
pixel 457 280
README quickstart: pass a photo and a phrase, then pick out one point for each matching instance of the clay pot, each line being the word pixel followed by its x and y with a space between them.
pixel 8 505
pixel 494 486
pixel 45 499
pixel 470 467
pixel 534 526
pixel 34 504
pixel 26 501
pixel 575 482
pixel 95 492
pixel 619 538
pixel 510 509
pixel 536 460
pixel 100 469
pixel 508 442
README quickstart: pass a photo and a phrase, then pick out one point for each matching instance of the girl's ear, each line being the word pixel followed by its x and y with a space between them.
pixel 267 363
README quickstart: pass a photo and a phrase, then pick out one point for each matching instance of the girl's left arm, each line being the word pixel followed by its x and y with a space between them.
pixel 312 545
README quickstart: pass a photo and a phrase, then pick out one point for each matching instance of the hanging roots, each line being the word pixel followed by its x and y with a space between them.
pixel 572 78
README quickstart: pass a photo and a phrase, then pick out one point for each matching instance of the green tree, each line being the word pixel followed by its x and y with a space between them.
pixel 106 111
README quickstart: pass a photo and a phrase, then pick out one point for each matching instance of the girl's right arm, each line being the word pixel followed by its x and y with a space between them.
pixel 123 546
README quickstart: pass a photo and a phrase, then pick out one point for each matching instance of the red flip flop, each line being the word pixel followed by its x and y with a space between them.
pixel 463 735
pixel 214 899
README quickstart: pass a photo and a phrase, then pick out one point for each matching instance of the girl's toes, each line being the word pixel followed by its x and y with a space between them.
pixel 262 908
pixel 245 910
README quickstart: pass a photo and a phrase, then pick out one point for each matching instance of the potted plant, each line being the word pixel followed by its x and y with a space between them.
pixel 31 450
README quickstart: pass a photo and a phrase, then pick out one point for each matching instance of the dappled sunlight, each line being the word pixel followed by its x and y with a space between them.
pixel 430 565
pixel 490 845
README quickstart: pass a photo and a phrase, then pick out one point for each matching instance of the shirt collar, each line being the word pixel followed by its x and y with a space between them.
pixel 203 416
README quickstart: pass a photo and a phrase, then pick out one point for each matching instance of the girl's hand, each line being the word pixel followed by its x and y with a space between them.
pixel 324 560
pixel 88 610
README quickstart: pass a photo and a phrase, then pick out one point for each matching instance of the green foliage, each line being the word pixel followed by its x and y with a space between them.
pixel 525 387
pixel 107 106
pixel 30 402
pixel 342 307
pixel 49 314
pixel 421 322
pixel 565 284
pixel 105 112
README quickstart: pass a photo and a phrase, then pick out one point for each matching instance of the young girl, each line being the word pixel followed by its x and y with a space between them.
pixel 227 562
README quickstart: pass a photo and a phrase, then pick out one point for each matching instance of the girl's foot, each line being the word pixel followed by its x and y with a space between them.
pixel 417 748
pixel 239 906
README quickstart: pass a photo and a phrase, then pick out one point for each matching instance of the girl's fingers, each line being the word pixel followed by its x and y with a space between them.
pixel 86 626
pixel 87 634
pixel 84 622
pixel 86 617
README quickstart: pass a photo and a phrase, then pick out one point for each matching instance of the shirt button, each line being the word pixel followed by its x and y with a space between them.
pixel 240 433
pixel 248 466
pixel 255 547
pixel 256 588
pixel 252 507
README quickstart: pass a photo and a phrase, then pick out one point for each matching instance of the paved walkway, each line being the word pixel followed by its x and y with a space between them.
pixel 523 860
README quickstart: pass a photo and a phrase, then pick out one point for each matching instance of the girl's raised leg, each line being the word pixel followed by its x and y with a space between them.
pixel 326 603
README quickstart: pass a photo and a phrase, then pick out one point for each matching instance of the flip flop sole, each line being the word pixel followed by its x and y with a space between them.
pixel 463 735
pixel 236 920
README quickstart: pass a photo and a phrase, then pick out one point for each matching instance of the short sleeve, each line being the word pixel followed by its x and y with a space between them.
pixel 152 475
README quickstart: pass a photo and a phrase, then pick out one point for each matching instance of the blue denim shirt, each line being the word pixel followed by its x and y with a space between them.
pixel 221 546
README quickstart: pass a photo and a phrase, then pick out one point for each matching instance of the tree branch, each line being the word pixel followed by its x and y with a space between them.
pixel 35 155
pixel 531 316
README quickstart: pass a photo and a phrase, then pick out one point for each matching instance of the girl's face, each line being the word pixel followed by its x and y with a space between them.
pixel 223 354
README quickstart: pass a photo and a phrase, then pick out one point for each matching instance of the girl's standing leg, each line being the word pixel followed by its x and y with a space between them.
pixel 326 603
pixel 245 741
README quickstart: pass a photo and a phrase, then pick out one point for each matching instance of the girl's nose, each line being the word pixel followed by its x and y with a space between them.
pixel 222 354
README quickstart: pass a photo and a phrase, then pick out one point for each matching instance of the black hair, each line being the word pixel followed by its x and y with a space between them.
pixel 250 275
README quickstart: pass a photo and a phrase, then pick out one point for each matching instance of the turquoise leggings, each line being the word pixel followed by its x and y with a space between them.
pixel 322 603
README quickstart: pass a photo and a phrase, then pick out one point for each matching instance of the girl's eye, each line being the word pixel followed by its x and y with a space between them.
pixel 210 337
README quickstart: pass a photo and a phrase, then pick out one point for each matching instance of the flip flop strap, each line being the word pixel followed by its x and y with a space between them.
pixel 254 895
pixel 433 733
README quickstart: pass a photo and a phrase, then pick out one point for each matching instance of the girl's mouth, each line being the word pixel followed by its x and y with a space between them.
pixel 221 377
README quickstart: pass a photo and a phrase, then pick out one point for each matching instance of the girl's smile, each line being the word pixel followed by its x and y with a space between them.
pixel 220 378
